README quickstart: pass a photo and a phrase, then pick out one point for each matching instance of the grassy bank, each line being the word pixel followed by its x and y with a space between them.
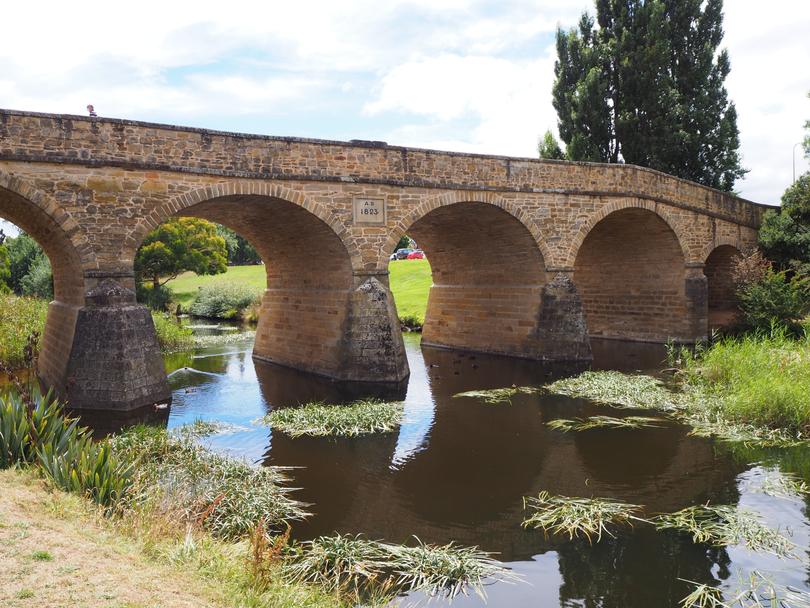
pixel 410 284
pixel 210 515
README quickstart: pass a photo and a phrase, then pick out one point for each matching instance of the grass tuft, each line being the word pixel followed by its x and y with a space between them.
pixel 723 525
pixel 319 419
pixel 575 517
pixel 599 422
pixel 499 396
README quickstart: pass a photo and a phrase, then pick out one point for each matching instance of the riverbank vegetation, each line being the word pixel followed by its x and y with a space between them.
pixel 320 419
pixel 220 517
pixel 603 422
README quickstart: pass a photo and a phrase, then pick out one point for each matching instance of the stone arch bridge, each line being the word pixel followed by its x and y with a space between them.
pixel 529 257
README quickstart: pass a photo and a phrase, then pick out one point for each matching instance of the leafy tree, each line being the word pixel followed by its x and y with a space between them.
pixel 644 84
pixel 549 147
pixel 807 138
pixel 179 245
pixel 785 235
pixel 24 252
pixel 240 251
pixel 404 243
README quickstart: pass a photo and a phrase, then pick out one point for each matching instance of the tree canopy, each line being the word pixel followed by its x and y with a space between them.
pixel 643 83
pixel 179 245
pixel 240 251
pixel 785 235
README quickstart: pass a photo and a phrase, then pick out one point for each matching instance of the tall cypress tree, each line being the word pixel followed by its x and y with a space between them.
pixel 644 84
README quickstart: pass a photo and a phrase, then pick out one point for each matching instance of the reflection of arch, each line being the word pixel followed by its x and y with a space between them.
pixel 403 226
pixel 488 273
pixel 242 191
pixel 55 232
pixel 606 210
pixel 722 299
pixel 630 272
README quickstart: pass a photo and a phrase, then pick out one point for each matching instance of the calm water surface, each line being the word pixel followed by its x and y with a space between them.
pixel 457 470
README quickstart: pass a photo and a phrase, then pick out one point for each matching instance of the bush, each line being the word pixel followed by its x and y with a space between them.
pixel 156 299
pixel 170 334
pixel 38 283
pixel 774 300
pixel 223 300
pixel 19 319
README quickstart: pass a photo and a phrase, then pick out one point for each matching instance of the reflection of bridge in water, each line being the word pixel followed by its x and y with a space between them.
pixel 529 257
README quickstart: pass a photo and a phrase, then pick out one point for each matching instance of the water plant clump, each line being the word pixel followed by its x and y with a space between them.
pixel 319 419
pixel 723 525
pixel 225 495
pixel 617 389
pixel 599 422
pixel 499 396
pixel 575 517
pixel 755 591
pixel 360 567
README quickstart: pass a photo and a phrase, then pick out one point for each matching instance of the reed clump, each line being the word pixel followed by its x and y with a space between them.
pixel 601 422
pixel 321 420
pixel 723 525
pixel 617 390
pixel 755 591
pixel 575 517
pixel 499 396
pixel 226 496
pixel 362 568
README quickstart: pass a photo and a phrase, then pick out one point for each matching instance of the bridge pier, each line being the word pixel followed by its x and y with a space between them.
pixel 696 291
pixel 346 334
pixel 104 355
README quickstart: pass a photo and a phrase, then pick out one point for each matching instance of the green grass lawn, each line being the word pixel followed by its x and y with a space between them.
pixel 410 283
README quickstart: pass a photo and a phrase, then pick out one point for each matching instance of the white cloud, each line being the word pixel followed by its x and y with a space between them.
pixel 474 74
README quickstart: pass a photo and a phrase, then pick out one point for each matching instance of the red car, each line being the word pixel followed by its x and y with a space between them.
pixel 417 254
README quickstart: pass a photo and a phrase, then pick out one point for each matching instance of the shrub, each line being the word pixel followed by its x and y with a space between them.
pixel 170 334
pixel 775 300
pixel 19 319
pixel 38 283
pixel 223 300
pixel 156 299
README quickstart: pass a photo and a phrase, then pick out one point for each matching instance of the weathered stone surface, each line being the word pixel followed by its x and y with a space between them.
pixel 114 360
pixel 638 245
pixel 562 330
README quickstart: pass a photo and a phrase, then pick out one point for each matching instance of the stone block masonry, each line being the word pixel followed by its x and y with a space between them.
pixel 529 257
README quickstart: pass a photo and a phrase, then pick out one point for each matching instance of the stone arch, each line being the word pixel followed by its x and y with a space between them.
pixel 618 205
pixel 462 196
pixel 488 274
pixel 721 298
pixel 177 204
pixel 55 231
pixel 630 270
pixel 720 241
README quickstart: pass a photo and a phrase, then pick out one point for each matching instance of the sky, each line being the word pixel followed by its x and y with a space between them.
pixel 472 76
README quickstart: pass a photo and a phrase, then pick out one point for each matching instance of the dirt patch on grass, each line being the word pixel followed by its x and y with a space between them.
pixel 56 554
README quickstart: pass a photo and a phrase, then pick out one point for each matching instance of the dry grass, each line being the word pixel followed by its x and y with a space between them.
pixel 89 565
